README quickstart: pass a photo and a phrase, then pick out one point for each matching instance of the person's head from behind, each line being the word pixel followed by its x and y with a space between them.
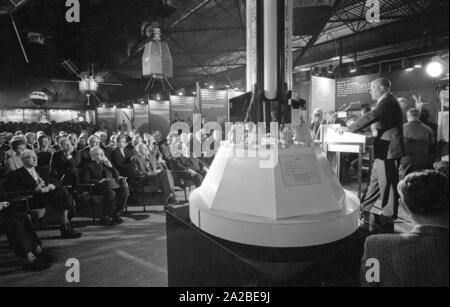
pixel 413 115
pixel 29 158
pixel 142 150
pixel 93 141
pixel 18 145
pixel 121 142
pixel 424 196
pixel 98 155
pixel 379 88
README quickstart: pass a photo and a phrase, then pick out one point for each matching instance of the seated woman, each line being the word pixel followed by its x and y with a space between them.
pixel 108 182
pixel 44 152
pixel 23 239
pixel 13 160
pixel 146 164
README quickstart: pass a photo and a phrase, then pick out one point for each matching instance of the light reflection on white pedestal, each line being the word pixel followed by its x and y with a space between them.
pixel 300 203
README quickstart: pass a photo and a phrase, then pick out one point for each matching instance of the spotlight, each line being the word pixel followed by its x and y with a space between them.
pixel 418 64
pixel 353 67
pixel 435 68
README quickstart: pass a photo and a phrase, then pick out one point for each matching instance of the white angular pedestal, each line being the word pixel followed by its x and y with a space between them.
pixel 299 203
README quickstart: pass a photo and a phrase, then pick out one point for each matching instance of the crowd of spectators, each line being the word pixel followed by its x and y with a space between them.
pixel 49 162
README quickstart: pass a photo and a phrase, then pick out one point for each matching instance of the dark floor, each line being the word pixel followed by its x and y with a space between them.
pixel 129 255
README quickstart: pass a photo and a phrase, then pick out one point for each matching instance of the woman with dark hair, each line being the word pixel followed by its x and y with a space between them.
pixel 44 152
pixel 12 157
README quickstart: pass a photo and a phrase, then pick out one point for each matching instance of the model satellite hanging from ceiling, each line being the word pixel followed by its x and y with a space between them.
pixel 157 60
pixel 88 83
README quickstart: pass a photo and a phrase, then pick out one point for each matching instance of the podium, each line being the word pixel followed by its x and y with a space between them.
pixel 347 143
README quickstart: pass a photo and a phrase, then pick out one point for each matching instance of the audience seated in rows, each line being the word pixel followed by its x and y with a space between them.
pixel 47 191
pixel 145 164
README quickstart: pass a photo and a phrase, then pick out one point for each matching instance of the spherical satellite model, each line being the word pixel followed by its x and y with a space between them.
pixel 38 98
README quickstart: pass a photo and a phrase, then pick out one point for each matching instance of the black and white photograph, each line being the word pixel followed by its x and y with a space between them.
pixel 224 150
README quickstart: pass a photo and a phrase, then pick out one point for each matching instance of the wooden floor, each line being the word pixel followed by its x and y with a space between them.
pixel 129 255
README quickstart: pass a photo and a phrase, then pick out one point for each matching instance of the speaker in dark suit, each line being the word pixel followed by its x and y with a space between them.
pixel 387 116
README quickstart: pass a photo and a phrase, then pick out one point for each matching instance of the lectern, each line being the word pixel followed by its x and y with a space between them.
pixel 347 143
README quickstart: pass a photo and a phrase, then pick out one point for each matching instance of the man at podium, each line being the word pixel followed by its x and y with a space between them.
pixel 387 117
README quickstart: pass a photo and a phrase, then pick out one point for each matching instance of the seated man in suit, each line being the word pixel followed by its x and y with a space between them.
pixel 23 239
pixel 85 153
pixel 121 156
pixel 193 168
pixel 47 191
pixel 419 258
pixel 64 163
pixel 146 164
pixel 108 182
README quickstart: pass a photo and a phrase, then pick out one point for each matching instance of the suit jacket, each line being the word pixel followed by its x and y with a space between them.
pixel 120 162
pixel 191 163
pixel 93 172
pixel 22 181
pixel 388 119
pixel 141 166
pixel 61 166
pixel 417 259
pixel 419 142
pixel 85 157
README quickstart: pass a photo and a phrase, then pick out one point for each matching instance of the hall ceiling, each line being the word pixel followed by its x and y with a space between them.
pixel 206 37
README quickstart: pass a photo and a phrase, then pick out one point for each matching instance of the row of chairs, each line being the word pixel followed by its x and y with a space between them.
pixel 88 202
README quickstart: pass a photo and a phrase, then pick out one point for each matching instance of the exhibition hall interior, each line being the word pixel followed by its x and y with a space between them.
pixel 224 143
